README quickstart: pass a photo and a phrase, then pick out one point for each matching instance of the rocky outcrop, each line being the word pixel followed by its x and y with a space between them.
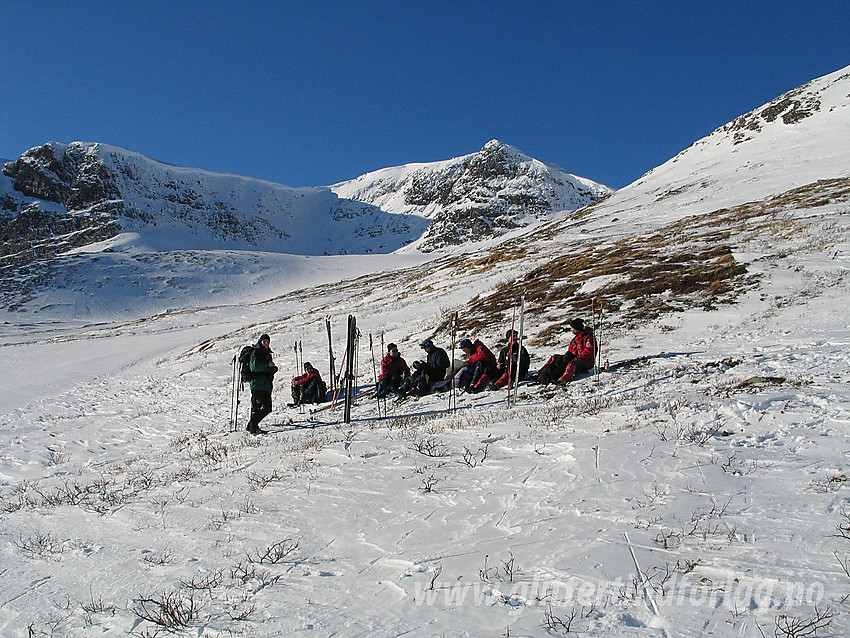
pixel 74 175
pixel 476 196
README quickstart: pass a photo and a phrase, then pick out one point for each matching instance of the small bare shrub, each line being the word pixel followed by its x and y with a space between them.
pixel 158 559
pixel 793 627
pixel 204 581
pixel 429 483
pixel 258 481
pixel 558 624
pixel 275 553
pixel 172 611
pixel 55 457
pixel 430 446
pixel 222 519
pixel 829 483
pixel 41 545
pixel 471 459
pixel 434 577
pixel 97 606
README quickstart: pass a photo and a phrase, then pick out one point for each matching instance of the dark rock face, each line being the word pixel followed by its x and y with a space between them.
pixel 75 178
pixel 73 205
pixel 491 192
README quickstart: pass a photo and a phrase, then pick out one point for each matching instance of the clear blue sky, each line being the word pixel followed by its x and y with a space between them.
pixel 312 93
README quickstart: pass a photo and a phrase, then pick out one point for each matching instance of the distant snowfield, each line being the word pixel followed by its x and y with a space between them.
pixel 80 326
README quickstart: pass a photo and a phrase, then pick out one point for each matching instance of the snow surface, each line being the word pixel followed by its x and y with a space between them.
pixel 701 491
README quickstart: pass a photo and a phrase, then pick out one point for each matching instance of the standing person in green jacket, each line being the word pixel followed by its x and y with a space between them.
pixel 262 373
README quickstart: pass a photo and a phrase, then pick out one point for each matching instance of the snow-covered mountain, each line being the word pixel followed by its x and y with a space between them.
pixel 795 140
pixel 67 199
pixel 700 489
pixel 74 194
pixel 473 197
pixel 682 235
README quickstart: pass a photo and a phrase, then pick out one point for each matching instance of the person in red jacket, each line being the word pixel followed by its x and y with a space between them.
pixel 309 387
pixel 581 355
pixel 480 367
pixel 394 370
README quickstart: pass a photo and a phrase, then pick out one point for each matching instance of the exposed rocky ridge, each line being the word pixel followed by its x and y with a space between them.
pixel 475 196
pixel 791 107
pixel 97 191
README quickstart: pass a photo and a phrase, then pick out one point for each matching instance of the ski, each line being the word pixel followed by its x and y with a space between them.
pixel 375 372
pixel 452 393
pixel 331 354
pixel 349 367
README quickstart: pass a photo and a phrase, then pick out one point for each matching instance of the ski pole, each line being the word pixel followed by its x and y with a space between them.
pixel 599 340
pixel 356 369
pixel 452 395
pixel 301 407
pixel 519 348
pixel 374 372
pixel 511 355
pixel 330 353
pixel 383 351
pixel 349 368
pixel 339 379
pixel 299 357
pixel 238 381
pixel 233 395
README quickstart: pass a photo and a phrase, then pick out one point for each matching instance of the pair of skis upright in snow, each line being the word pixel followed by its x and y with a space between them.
pixel 346 381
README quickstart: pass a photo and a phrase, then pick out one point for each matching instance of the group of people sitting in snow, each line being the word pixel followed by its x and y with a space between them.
pixel 483 370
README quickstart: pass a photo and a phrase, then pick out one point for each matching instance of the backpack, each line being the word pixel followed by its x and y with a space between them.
pixel 553 369
pixel 244 360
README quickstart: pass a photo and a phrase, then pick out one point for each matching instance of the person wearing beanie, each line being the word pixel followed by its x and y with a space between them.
pixel 309 387
pixel 480 367
pixel 263 370
pixel 519 361
pixel 581 354
pixel 580 357
pixel 394 370
pixel 427 372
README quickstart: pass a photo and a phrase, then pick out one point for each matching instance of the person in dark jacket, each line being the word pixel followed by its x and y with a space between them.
pixel 394 370
pixel 518 369
pixel 480 367
pixel 263 370
pixel 426 372
pixel 581 354
pixel 309 387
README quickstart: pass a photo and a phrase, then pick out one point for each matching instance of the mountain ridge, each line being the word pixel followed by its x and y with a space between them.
pixel 482 194
pixel 119 188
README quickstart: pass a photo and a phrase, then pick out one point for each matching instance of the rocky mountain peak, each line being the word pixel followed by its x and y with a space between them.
pixel 476 196
pixel 73 175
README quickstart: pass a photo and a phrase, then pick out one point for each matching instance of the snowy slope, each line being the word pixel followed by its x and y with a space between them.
pixel 700 491
pixel 797 139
